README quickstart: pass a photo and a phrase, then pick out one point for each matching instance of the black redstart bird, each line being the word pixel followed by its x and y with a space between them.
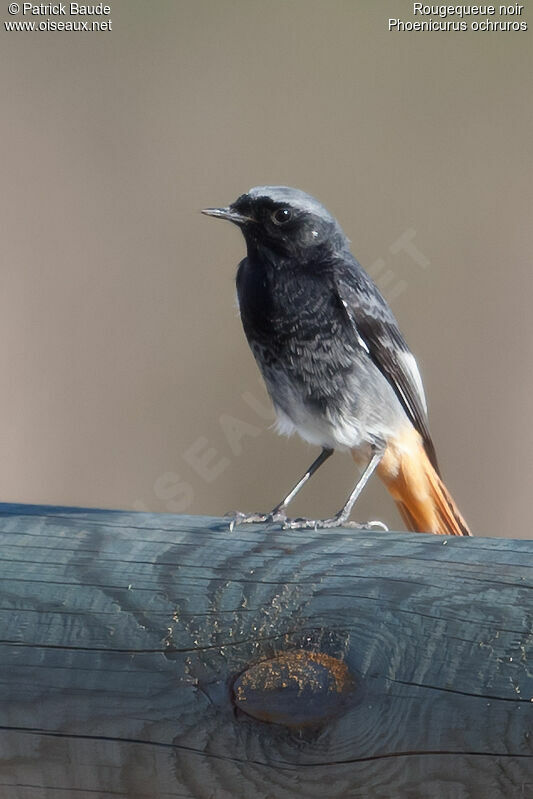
pixel 335 364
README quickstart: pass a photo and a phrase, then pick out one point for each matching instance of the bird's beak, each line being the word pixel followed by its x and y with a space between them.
pixel 228 213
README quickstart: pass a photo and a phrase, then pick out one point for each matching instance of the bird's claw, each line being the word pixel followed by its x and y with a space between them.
pixel 237 518
pixel 279 516
pixel 375 524
pixel 325 524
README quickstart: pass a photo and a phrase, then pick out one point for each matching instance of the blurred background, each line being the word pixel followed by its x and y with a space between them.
pixel 126 378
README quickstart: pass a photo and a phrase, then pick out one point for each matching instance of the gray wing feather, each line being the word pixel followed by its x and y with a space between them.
pixel 378 330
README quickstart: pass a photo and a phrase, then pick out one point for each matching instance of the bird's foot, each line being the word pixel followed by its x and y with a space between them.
pixel 277 515
pixel 236 518
pixel 336 521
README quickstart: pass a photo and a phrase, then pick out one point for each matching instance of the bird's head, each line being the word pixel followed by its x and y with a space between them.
pixel 284 221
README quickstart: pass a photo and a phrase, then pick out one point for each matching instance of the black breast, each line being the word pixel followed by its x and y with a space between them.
pixel 296 325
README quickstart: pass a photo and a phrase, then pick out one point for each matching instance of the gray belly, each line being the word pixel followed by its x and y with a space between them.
pixel 352 412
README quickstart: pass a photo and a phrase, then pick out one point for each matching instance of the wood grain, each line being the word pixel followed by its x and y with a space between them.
pixel 122 636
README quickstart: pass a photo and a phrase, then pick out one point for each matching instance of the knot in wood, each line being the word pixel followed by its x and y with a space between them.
pixel 296 688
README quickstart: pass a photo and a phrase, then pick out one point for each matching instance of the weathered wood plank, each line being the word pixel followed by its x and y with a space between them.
pixel 121 636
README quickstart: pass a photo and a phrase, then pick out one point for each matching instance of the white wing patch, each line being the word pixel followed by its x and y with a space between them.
pixel 362 343
pixel 411 367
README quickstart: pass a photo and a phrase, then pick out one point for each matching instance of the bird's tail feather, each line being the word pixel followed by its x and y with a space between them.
pixel 422 498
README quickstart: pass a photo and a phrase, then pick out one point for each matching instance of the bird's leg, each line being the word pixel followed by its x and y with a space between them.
pixel 341 518
pixel 278 514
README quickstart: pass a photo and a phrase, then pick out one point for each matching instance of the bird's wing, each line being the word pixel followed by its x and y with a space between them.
pixel 380 335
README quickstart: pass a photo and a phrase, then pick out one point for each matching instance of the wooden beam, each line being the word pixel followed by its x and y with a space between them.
pixel 148 656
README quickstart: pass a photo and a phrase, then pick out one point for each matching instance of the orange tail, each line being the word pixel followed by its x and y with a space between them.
pixel 422 498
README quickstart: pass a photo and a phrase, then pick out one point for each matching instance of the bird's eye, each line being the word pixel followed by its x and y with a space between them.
pixel 281 215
